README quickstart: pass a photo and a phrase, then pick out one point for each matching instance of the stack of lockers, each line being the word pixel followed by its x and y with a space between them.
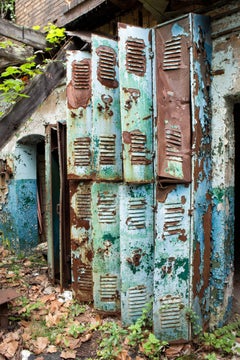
pixel 130 123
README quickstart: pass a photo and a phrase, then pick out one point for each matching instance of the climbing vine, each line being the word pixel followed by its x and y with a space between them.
pixel 7 9
pixel 15 78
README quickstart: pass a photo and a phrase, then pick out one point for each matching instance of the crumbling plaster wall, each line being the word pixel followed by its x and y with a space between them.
pixel 18 210
pixel 225 91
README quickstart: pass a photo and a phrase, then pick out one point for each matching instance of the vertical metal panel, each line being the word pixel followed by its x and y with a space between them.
pixel 64 231
pixel 202 166
pixel 136 244
pixel 79 119
pixel 172 42
pixel 172 273
pixel 106 107
pixel 135 73
pixel 81 239
pixel 105 233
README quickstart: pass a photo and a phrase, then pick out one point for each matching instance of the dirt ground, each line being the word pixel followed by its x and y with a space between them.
pixel 44 323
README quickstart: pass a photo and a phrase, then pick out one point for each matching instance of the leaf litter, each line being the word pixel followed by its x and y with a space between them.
pixel 45 324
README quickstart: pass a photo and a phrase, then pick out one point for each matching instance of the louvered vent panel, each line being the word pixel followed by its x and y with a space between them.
pixel 85 278
pixel 137 299
pixel 108 287
pixel 81 75
pixel 170 312
pixel 136 214
pixel 106 64
pixel 82 153
pixel 83 203
pixel 173 216
pixel 172 54
pixel 107 149
pixel 173 144
pixel 106 208
pixel 138 148
pixel 136 57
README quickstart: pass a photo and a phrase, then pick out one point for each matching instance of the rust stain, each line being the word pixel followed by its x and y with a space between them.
pixel 79 88
pixel 196 269
pixel 163 191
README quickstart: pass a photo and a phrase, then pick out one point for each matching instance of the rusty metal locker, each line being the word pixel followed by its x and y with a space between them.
pixel 136 249
pixel 135 73
pixel 183 220
pixel 172 266
pixel 106 245
pixel 173 98
pixel 81 239
pixel 79 116
pixel 107 144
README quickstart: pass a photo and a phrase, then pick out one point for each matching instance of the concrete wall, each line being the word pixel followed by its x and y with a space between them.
pixel 225 90
pixel 18 212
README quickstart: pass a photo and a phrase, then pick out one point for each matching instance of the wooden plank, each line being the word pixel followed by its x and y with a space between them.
pixel 39 89
pixel 14 55
pixel 36 39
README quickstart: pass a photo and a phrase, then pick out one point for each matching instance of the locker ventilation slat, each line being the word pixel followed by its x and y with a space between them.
pixel 172 54
pixel 106 64
pixel 173 216
pixel 83 203
pixel 85 281
pixel 81 75
pixel 108 287
pixel 137 299
pixel 138 148
pixel 136 214
pixel 173 144
pixel 107 149
pixel 136 57
pixel 170 312
pixel 106 208
pixel 82 153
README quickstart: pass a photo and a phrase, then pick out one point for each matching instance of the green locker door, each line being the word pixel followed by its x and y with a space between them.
pixel 107 137
pixel 136 249
pixel 105 233
pixel 79 117
pixel 135 74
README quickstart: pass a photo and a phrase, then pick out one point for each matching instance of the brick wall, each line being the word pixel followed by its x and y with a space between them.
pixel 41 12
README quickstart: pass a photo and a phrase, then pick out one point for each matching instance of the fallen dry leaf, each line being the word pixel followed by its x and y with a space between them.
pixel 8 349
pixel 51 349
pixel 174 350
pixel 40 344
pixel 86 337
pixel 124 355
pixel 68 354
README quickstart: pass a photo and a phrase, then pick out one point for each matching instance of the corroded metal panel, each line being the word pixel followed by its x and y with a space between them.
pixel 107 142
pixel 81 240
pixel 172 265
pixel 106 245
pixel 172 60
pixel 202 165
pixel 79 118
pixel 135 73
pixel 137 249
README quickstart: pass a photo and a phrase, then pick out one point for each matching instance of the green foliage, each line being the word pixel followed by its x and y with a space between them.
pixel 153 347
pixel 193 318
pixel 5 44
pixel 211 356
pixel 111 343
pixel 54 34
pixel 28 309
pixel 76 329
pixel 76 309
pixel 7 9
pixel 223 339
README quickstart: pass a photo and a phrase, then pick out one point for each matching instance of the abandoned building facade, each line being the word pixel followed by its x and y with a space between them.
pixel 128 165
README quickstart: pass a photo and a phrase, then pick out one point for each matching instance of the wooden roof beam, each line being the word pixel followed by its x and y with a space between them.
pixel 27 36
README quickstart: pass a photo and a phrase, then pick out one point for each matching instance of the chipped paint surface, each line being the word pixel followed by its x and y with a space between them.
pixel 225 91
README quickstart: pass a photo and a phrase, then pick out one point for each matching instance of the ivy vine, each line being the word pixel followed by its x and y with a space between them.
pixel 7 9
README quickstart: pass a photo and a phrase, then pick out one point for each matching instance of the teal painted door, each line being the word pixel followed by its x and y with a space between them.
pixel 136 249
pixel 79 116
pixel 106 246
pixel 107 144
pixel 135 73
